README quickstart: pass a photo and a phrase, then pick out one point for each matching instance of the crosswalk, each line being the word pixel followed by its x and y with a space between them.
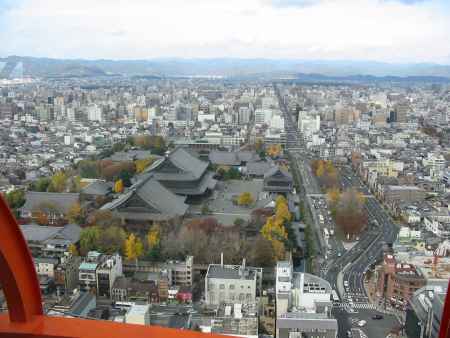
pixel 359 306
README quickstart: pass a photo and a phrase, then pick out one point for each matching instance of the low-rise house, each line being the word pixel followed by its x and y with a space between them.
pixel 231 319
pixel 45 266
pixel 66 273
pixel 78 304
pixel 126 289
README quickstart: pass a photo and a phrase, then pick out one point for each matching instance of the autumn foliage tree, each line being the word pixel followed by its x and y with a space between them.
pixel 273 150
pixel 276 233
pixel 351 215
pixel 154 236
pixel 141 165
pixel 75 213
pixel 326 172
pixel 118 186
pixel 150 142
pixel 73 250
pixel 133 247
pixel 246 199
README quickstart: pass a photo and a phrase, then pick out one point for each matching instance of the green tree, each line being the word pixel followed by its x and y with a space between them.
pixel 125 176
pixel 75 184
pixel 232 174
pixel 58 182
pixel 88 169
pixel 40 184
pixel 89 239
pixel 112 239
pixel 15 198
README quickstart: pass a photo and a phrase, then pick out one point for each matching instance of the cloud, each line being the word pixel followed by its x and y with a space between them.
pixel 294 3
pixel 384 30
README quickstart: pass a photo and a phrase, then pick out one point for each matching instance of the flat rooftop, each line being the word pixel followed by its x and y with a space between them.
pixel 230 272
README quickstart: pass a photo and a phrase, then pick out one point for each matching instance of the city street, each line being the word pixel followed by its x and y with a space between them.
pixel 344 269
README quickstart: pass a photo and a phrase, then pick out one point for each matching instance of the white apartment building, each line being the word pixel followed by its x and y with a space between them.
pixel 436 164
pixel 232 284
pixel 263 116
pixel 308 125
pixel 94 113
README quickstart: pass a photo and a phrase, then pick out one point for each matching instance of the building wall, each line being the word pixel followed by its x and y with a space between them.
pixel 230 290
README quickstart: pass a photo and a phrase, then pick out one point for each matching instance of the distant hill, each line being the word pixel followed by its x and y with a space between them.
pixel 229 67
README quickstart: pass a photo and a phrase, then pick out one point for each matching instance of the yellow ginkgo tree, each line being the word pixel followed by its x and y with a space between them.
pixel 133 248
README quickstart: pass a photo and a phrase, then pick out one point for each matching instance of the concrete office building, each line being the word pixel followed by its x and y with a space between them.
pixel 232 283
pixel 303 304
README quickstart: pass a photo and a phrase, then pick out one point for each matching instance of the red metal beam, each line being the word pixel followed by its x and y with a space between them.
pixel 26 319
pixel 17 272
pixel 444 330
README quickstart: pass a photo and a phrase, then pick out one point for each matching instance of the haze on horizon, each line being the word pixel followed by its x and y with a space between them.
pixel 400 31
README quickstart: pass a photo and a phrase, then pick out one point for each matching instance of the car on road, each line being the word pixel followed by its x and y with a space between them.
pixel 361 323
pixel 349 334
pixel 377 317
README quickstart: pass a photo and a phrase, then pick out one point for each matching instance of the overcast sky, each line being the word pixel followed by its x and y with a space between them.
pixel 382 30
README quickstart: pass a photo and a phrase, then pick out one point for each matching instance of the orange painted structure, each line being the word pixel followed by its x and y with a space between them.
pixel 25 317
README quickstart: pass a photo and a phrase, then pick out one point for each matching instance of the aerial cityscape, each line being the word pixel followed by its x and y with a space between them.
pixel 241 194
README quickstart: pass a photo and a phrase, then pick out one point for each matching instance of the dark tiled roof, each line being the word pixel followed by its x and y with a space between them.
pixel 62 201
pixel 276 171
pixel 258 168
pixel 101 188
pixel 190 167
pixel 38 233
pixel 224 158
pixel 232 158
pixel 161 202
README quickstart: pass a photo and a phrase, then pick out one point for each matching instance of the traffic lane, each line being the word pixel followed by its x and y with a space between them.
pixel 375 327
pixel 343 321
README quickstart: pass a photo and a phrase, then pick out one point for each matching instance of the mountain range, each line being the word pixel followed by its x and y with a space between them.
pixel 226 67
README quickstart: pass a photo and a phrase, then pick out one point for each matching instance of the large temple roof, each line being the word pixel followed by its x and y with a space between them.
pixel 161 202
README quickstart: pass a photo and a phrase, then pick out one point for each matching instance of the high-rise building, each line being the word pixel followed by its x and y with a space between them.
pixel 94 113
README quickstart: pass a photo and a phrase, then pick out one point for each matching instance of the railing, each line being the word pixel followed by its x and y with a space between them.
pixel 23 296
